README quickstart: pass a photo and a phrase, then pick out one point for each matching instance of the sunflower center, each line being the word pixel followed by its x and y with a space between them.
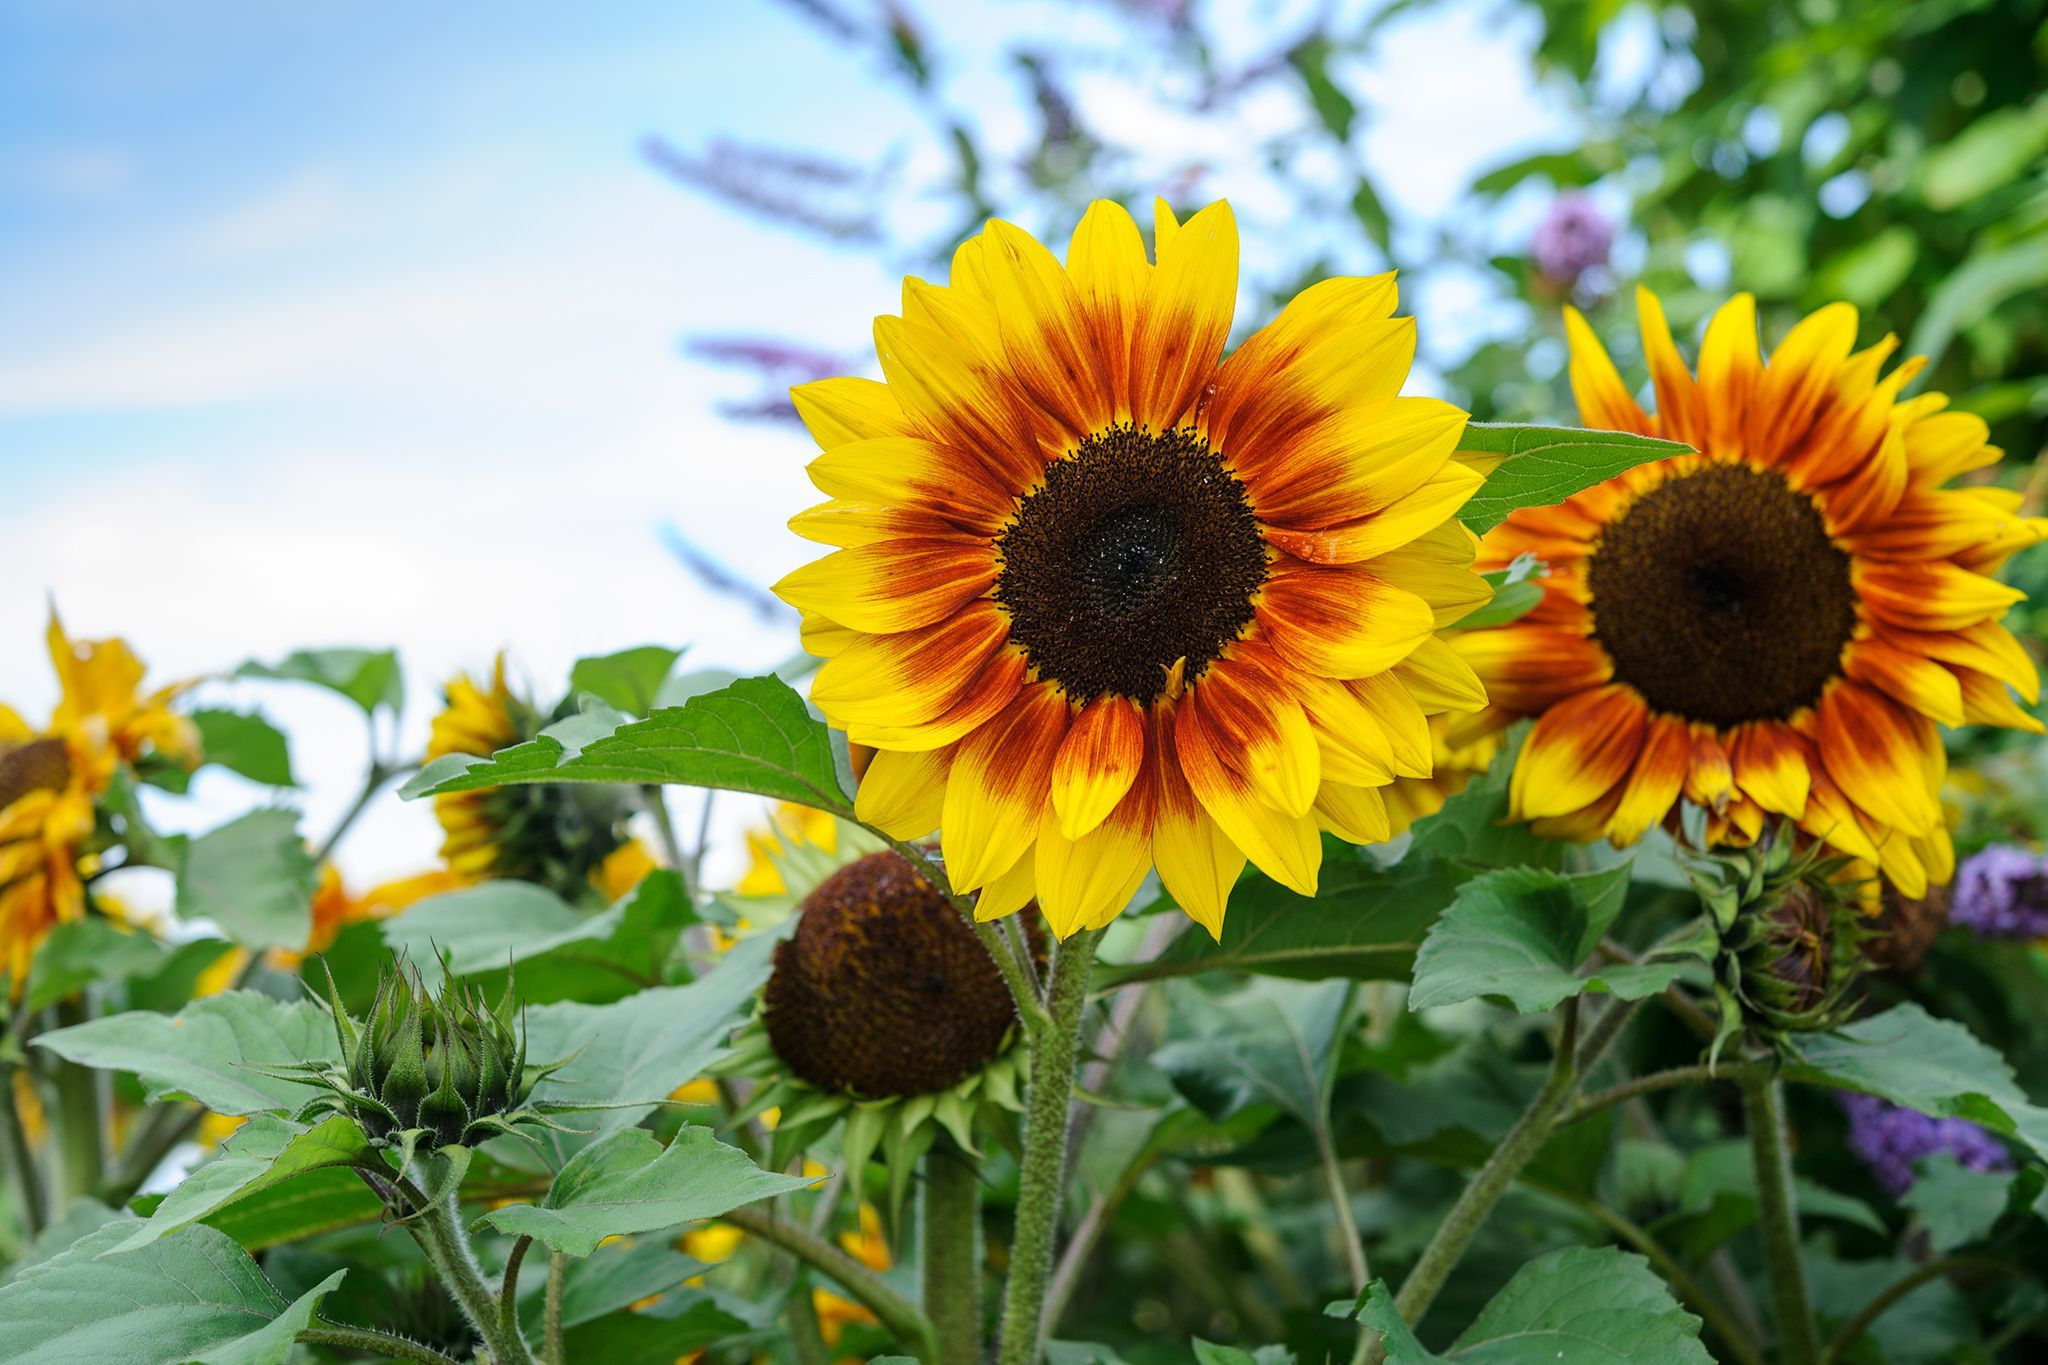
pixel 39 765
pixel 883 990
pixel 1720 597
pixel 1139 550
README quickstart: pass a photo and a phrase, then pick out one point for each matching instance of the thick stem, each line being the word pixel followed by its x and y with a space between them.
pixel 1638 1086
pixel 1523 1141
pixel 951 1244
pixel 551 1329
pixel 22 1173
pixel 897 1313
pixel 1763 1112
pixel 373 1343
pixel 437 1227
pixel 806 1335
pixel 1042 1178
pixel 79 1131
pixel 508 1291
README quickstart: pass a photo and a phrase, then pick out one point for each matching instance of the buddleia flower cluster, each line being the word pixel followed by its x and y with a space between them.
pixel 422 1070
pixel 1891 1139
pixel 1791 931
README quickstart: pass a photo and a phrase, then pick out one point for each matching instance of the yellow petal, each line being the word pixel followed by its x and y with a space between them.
pixel 903 795
pixel 1097 764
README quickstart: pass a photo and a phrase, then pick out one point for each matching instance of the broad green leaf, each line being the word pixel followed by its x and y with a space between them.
pixel 1936 1066
pixel 755 735
pixel 630 680
pixel 643 1047
pixel 207 1050
pixel 80 1218
pixel 368 677
pixel 291 1210
pixel 611 1279
pixel 1931 1325
pixel 245 743
pixel 628 1182
pixel 1716 1200
pixel 1521 933
pixel 1957 1206
pixel 1575 1306
pixel 670 1331
pixel 263 1152
pixel 1364 923
pixel 1513 598
pixel 1278 1048
pixel 1546 465
pixel 194 1296
pixel 252 877
pixel 80 952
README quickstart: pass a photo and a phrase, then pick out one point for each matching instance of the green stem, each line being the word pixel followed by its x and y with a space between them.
pixel 1638 1086
pixel 22 1173
pixel 508 1291
pixel 1042 1178
pixel 551 1344
pixel 437 1226
pixel 79 1133
pixel 806 1337
pixel 951 1244
pixel 162 1129
pixel 1898 1289
pixel 1523 1141
pixel 897 1313
pixel 373 1343
pixel 373 782
pixel 1764 1114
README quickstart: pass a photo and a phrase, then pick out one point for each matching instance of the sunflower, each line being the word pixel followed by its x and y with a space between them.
pixel 1103 604
pixel 1777 625
pixel 567 838
pixel 1454 766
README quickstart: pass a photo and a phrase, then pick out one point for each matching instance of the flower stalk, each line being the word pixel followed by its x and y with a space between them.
pixel 951 1244
pixel 1763 1112
pixel 436 1225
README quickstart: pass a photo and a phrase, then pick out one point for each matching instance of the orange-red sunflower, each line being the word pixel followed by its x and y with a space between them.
pixel 1776 626
pixel 1104 600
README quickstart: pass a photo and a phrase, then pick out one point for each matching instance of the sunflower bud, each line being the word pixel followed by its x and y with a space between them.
pixel 425 1070
pixel 1792 936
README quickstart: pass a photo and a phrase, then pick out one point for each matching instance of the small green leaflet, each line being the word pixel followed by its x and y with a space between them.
pixel 755 735
pixel 1546 465
pixel 245 743
pixel 265 1151
pixel 368 677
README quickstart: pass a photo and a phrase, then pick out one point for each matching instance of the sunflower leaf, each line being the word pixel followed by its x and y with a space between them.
pixel 631 680
pixel 252 877
pixel 368 677
pixel 264 1152
pixel 1546 465
pixel 245 743
pixel 755 735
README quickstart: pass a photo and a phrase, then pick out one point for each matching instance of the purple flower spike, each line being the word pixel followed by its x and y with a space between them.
pixel 1573 238
pixel 2002 893
pixel 1891 1138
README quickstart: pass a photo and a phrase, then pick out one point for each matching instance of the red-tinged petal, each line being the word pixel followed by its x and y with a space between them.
pixel 1286 848
pixel 1198 864
pixel 1578 752
pixel 1730 368
pixel 894 586
pixel 1340 621
pixel 1185 317
pixel 1391 528
pixel 1654 784
pixel 903 795
pixel 980 703
pixel 1868 496
pixel 1941 445
pixel 1886 759
pixel 1770 766
pixel 1106 261
pixel 906 472
pixel 962 408
pixel 1710 778
pixel 1352 464
pixel 1678 400
pixel 998 788
pixel 1988 701
pixel 1987 647
pixel 1050 347
pixel 1914 679
pixel 1529 669
pixel 1263 730
pixel 912 677
pixel 1098 763
pixel 1799 378
pixel 1604 401
pixel 1251 407
pixel 1933 596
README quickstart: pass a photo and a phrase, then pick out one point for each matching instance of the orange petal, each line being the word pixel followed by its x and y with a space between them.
pixel 1097 764
pixel 1603 400
pixel 998 787
pixel 1579 751
pixel 1340 621
pixel 1710 779
pixel 1198 864
pixel 1770 767
pixel 1930 596
pixel 1886 759
pixel 1678 399
pixel 1528 669
pixel 1654 784
pixel 910 677
pixel 1914 679
pixel 1184 318
pixel 1286 848
pixel 895 585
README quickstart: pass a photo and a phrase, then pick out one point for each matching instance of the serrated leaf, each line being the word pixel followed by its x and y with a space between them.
pixel 1364 923
pixel 628 1182
pixel 263 1152
pixel 252 877
pixel 1546 465
pixel 368 677
pixel 755 735
pixel 291 1210
pixel 245 743
pixel 1957 1206
pixel 207 1050
pixel 194 1296
pixel 1574 1306
pixel 630 680
pixel 80 1218
pixel 1520 933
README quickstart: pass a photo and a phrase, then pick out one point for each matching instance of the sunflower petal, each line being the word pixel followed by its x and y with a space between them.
pixel 1097 764
pixel 1184 318
pixel 1886 759
pixel 1579 751
pixel 998 787
pixel 904 794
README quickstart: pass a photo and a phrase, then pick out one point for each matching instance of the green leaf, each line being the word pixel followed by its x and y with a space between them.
pixel 1936 1066
pixel 245 743
pixel 1521 933
pixel 81 952
pixel 1546 465
pixel 755 735
pixel 80 1218
pixel 628 1183
pixel 1364 923
pixel 1575 1306
pixel 609 1280
pixel 1957 1206
pixel 252 877
pixel 206 1051
pixel 643 1047
pixel 368 677
pixel 1279 1048
pixel 1209 1353
pixel 291 1210
pixel 670 1331
pixel 264 1152
pixel 194 1296
pixel 630 680
pixel 1514 595
pixel 1988 278
pixel 1333 106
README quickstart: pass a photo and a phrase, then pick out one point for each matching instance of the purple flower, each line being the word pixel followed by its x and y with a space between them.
pixel 1891 1138
pixel 2002 893
pixel 1573 237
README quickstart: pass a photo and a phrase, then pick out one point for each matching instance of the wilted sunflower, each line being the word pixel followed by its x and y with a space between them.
pixel 1103 604
pixel 565 838
pixel 1774 626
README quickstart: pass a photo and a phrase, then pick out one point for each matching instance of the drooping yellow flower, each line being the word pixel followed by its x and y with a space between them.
pixel 790 826
pixel 1102 603
pixel 1413 798
pixel 1776 626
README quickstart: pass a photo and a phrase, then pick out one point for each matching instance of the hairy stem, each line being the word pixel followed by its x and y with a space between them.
pixel 1042 1179
pixel 368 1341
pixel 437 1226
pixel 951 1243
pixel 551 1322
pixel 897 1313
pixel 79 1129
pixel 1763 1112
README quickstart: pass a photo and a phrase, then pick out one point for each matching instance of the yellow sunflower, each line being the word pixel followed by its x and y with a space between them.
pixel 1105 601
pixel 564 838
pixel 1776 626
pixel 1413 798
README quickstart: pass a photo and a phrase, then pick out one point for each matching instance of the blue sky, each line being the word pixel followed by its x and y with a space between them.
pixel 359 323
